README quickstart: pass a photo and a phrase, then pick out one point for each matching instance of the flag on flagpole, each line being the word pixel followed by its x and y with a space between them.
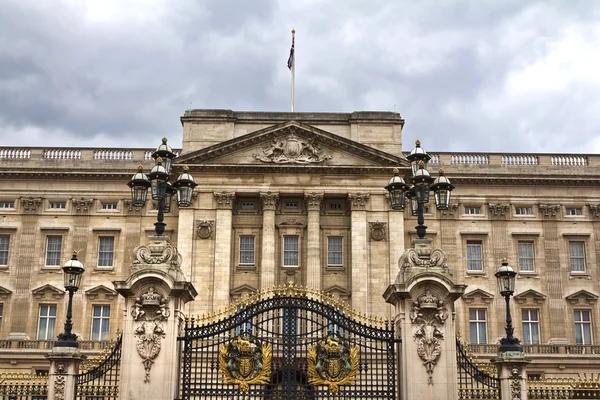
pixel 290 62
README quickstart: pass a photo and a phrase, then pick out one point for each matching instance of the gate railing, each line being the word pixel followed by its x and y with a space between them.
pixel 473 381
pixel 100 376
pixel 563 388
pixel 19 386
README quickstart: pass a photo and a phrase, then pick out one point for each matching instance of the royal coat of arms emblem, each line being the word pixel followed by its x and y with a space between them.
pixel 332 362
pixel 245 361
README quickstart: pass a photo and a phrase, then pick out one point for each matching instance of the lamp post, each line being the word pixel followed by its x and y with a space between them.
pixel 422 184
pixel 506 284
pixel 158 182
pixel 72 270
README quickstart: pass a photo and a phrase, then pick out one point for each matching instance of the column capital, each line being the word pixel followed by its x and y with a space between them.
pixel 358 201
pixel 269 200
pixel 224 200
pixel 313 201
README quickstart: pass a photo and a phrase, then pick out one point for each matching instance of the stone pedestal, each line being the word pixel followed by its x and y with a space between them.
pixel 64 367
pixel 423 295
pixel 155 294
pixel 513 377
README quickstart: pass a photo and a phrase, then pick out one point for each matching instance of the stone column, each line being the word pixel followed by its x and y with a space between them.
pixel 424 295
pixel 223 236
pixel 360 259
pixel 512 373
pixel 155 294
pixel 268 202
pixel 64 367
pixel 313 264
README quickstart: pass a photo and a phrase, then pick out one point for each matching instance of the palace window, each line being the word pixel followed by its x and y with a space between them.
pixel 574 211
pixel 247 205
pixel 7 204
pixel 474 255
pixel 53 250
pixel 472 210
pixel 109 206
pixel 1 314
pixel 335 252
pixel 106 251
pixel 583 327
pixel 523 211
pixel 291 251
pixel 100 322
pixel 246 250
pixel 477 326
pixel 46 322
pixel 4 243
pixel 577 256
pixel 531 326
pixel 525 256
pixel 291 205
pixel 58 205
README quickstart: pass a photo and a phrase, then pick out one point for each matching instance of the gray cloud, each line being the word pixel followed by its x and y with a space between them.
pixel 466 75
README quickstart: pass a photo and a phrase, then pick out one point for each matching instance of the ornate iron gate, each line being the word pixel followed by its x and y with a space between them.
pixel 289 343
pixel 474 383
pixel 99 378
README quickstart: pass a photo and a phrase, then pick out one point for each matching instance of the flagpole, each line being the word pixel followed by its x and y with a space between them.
pixel 293 68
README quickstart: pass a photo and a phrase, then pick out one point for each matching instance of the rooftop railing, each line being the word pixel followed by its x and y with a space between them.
pixel 84 154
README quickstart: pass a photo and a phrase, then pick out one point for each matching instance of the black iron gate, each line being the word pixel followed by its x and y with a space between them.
pixel 288 344
pixel 99 378
pixel 473 382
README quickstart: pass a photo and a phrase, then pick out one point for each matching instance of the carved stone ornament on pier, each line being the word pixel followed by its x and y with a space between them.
pixel 83 205
pixel 31 204
pixel 292 150
pixel 499 210
pixel 149 309
pixel 358 201
pixel 549 210
pixel 158 251
pixel 204 229
pixel 595 210
pixel 224 199
pixel 429 314
pixel 377 231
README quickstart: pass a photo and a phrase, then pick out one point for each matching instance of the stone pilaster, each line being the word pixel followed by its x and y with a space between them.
pixel 360 261
pixel 155 293
pixel 268 203
pixel 223 237
pixel 64 367
pixel 313 264
pixel 423 296
pixel 513 375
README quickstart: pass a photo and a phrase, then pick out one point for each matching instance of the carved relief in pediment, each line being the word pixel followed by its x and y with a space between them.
pixel 292 150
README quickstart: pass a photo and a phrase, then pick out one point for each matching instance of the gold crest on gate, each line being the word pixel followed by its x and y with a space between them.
pixel 245 361
pixel 332 362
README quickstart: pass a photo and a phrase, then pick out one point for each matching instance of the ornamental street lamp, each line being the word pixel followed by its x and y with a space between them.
pixel 422 184
pixel 160 188
pixel 73 270
pixel 506 285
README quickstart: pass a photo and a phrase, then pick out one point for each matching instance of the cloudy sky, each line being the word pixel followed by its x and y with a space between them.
pixel 467 75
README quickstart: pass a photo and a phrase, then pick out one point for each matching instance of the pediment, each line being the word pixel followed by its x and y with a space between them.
pixel 478 296
pixel 531 296
pixel 47 291
pixel 242 291
pixel 4 293
pixel 292 144
pixel 339 292
pixel 101 292
pixel 582 297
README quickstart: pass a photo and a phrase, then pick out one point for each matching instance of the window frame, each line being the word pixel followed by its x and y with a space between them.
pixel 101 318
pixel 59 251
pixel 582 324
pixel 47 317
pixel 519 213
pixel 340 252
pixel 582 257
pixel 467 210
pixel 3 251
pixel 284 251
pixel 520 258
pixel 578 211
pixel 478 323
pixel 99 252
pixel 528 323
pixel 240 250
pixel 471 242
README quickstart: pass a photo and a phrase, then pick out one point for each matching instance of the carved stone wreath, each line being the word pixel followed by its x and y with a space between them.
pixel 377 230
pixel 204 229
pixel 149 309
pixel 429 314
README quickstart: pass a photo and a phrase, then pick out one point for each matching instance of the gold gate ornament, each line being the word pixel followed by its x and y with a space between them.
pixel 332 362
pixel 244 361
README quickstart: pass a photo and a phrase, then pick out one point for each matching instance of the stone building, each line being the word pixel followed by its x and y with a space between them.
pixel 300 197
